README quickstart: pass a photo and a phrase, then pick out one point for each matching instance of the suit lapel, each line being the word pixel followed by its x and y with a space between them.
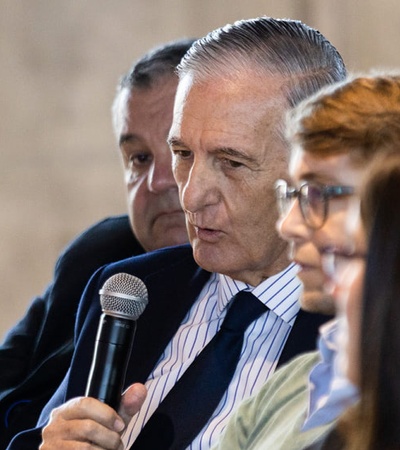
pixel 171 294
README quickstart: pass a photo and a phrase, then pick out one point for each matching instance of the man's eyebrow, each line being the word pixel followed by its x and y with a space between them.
pixel 229 151
pixel 128 137
pixel 308 176
pixel 175 142
pixel 321 178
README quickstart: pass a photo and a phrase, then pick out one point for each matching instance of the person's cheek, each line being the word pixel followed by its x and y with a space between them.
pixel 354 303
pixel 338 287
pixel 352 321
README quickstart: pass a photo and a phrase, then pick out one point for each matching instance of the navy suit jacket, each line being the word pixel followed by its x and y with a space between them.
pixel 174 282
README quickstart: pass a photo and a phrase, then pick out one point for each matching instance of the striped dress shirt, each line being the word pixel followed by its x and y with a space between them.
pixel 263 343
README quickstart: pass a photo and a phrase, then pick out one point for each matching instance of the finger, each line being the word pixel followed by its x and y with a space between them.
pixel 76 434
pixel 132 400
pixel 82 420
pixel 90 408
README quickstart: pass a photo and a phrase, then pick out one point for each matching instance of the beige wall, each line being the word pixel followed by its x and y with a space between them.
pixel 60 60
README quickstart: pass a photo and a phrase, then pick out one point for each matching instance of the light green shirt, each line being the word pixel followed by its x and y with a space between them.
pixel 272 419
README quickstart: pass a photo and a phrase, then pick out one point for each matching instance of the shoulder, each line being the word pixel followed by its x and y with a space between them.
pixel 163 259
pixel 106 241
pixel 169 272
pixel 111 222
pixel 272 418
pixel 288 381
pixel 172 267
pixel 105 233
pixel 282 406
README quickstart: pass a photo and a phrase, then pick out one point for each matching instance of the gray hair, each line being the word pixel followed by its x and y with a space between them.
pixel 297 53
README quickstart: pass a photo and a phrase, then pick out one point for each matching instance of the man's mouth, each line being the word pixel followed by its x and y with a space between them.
pixel 207 234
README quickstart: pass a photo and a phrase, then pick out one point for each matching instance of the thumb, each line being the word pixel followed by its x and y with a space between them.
pixel 132 400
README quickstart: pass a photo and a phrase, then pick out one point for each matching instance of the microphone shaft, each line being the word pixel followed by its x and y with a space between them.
pixel 110 360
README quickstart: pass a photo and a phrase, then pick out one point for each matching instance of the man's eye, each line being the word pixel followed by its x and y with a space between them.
pixel 183 154
pixel 139 159
pixel 235 164
pixel 231 163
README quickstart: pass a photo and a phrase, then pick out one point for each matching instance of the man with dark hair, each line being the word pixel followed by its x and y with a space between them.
pixel 235 86
pixel 37 351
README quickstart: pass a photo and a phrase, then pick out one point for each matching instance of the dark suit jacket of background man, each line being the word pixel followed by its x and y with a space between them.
pixel 37 352
pixel 174 282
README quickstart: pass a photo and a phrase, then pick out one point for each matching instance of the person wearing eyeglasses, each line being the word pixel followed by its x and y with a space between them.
pixel 335 136
pixel 365 282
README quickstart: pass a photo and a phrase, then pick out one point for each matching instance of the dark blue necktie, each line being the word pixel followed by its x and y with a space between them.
pixel 189 405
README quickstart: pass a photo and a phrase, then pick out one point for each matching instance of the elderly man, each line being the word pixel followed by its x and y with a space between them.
pixel 235 86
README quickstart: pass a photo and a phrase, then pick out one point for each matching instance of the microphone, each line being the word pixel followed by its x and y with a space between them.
pixel 123 298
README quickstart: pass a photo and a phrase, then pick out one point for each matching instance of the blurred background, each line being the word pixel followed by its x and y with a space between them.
pixel 60 62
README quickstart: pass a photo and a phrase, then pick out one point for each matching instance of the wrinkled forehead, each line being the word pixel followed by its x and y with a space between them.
pixel 245 97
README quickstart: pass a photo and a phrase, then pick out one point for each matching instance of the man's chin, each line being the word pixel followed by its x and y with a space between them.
pixel 206 256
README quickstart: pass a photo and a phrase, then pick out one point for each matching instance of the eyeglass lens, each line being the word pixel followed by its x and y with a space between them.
pixel 311 199
pixel 313 204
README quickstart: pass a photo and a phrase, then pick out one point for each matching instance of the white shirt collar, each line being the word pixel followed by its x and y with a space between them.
pixel 279 292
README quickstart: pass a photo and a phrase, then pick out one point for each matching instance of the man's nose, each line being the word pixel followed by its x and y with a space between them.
pixel 200 188
pixel 291 225
pixel 160 177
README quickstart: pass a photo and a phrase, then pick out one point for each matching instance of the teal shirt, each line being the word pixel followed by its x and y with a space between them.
pixel 272 419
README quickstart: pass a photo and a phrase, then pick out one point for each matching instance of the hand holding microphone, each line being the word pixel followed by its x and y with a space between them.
pixel 83 419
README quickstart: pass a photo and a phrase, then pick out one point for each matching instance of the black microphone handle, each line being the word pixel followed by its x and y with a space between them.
pixel 110 360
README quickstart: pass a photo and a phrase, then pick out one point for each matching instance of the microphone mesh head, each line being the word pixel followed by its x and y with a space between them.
pixel 124 295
